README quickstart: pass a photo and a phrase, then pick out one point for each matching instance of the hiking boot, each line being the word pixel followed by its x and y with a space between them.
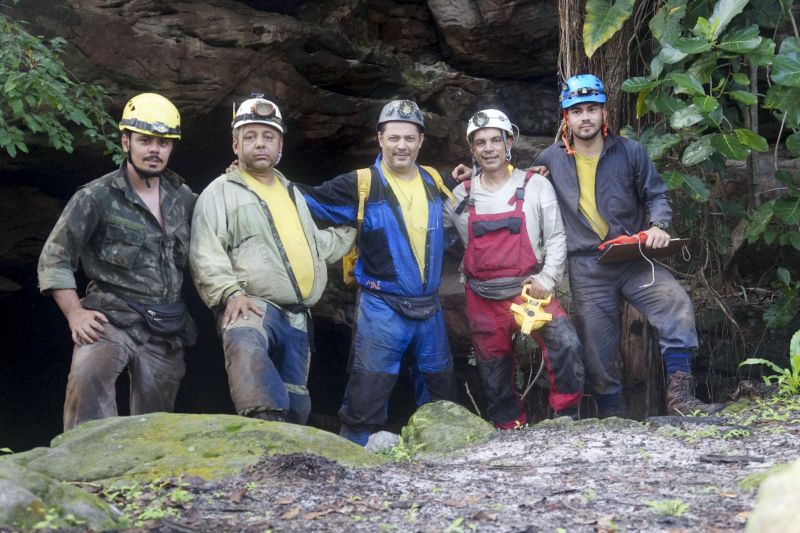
pixel 571 412
pixel 270 416
pixel 681 400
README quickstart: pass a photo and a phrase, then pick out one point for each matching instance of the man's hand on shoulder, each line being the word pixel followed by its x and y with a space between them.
pixel 461 173
pixel 86 325
pixel 657 238
pixel 540 169
pixel 237 306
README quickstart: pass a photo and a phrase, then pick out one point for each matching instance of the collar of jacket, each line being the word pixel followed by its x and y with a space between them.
pixel 120 180
pixel 608 143
pixel 236 177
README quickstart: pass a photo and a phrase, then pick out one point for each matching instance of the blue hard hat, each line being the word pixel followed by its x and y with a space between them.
pixel 580 89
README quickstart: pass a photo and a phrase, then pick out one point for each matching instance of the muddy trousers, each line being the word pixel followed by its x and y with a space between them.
pixel 493 326
pixel 597 291
pixel 267 359
pixel 155 372
pixel 382 338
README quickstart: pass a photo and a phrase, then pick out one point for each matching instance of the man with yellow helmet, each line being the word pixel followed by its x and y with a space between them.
pixel 129 230
pixel 259 262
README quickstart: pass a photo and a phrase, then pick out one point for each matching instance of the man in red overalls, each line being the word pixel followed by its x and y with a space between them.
pixel 511 226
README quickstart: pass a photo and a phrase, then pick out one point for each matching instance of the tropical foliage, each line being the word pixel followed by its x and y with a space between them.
pixel 699 102
pixel 38 95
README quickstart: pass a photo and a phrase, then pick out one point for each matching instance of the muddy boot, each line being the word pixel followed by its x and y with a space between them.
pixel 269 415
pixel 681 400
pixel 572 412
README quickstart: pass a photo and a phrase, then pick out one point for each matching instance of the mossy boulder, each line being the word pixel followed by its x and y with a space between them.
pixel 167 445
pixel 778 502
pixel 30 499
pixel 440 427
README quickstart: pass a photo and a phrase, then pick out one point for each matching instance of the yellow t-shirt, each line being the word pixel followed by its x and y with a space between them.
pixel 414 206
pixel 290 230
pixel 587 204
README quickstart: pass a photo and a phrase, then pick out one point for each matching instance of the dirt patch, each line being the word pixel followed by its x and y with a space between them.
pixel 671 474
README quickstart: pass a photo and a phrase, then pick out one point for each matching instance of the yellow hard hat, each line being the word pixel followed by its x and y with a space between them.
pixel 151 114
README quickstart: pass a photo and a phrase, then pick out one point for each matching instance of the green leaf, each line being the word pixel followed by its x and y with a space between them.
pixel 780 313
pixel 696 188
pixel 692 45
pixel 790 45
pixel 769 235
pixel 785 100
pixel 759 220
pixel 702 67
pixel 673 179
pixel 745 97
pixel 698 151
pixel 603 19
pixel 667 104
pixel 784 276
pixel 794 239
pixel 669 55
pixel 703 29
pixel 768 13
pixel 658 145
pixel 741 39
pixel 639 84
pixel 742 79
pixel 724 12
pixel 787 208
pixel 793 143
pixel 707 104
pixel 683 118
pixel 729 146
pixel 794 350
pixel 764 53
pixel 656 67
pixel 751 139
pixel 685 83
pixel 786 69
pixel 666 23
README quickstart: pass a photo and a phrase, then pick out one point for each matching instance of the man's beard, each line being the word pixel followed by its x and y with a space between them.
pixel 144 173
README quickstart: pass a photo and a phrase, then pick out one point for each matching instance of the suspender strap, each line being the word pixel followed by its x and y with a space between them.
pixel 437 178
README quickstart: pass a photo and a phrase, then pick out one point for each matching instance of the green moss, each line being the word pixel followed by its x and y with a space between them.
pixel 163 445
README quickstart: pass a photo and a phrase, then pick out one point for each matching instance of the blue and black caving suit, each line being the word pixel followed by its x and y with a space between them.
pixel 398 310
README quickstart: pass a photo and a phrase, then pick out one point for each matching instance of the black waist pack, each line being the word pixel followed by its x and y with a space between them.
pixel 497 289
pixel 162 319
pixel 420 308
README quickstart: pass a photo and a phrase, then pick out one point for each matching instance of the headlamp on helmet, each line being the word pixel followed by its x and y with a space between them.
pixel 151 114
pixel 258 110
pixel 490 118
pixel 581 89
pixel 403 111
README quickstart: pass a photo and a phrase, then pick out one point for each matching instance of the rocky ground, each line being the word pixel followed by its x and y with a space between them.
pixel 670 474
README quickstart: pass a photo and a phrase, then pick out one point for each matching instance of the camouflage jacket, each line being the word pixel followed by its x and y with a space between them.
pixel 125 253
pixel 235 246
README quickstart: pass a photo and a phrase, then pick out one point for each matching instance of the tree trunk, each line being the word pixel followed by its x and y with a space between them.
pixel 615 61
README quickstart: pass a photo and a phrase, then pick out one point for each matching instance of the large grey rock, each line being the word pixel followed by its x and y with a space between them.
pixel 28 498
pixel 166 445
pixel 442 426
pixel 778 503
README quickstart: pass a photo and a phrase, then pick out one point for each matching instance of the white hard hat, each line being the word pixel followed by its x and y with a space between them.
pixel 258 111
pixel 489 118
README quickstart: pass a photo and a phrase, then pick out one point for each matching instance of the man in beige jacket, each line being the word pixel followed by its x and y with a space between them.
pixel 259 262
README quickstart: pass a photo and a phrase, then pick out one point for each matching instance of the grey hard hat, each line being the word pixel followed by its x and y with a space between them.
pixel 403 111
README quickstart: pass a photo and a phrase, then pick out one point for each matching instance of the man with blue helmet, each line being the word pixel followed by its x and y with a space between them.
pixel 607 187
pixel 400 245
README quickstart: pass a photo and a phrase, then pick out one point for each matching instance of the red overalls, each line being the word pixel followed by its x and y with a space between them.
pixel 499 247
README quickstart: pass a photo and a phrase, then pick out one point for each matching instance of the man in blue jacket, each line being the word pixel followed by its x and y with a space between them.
pixel 608 187
pixel 400 245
